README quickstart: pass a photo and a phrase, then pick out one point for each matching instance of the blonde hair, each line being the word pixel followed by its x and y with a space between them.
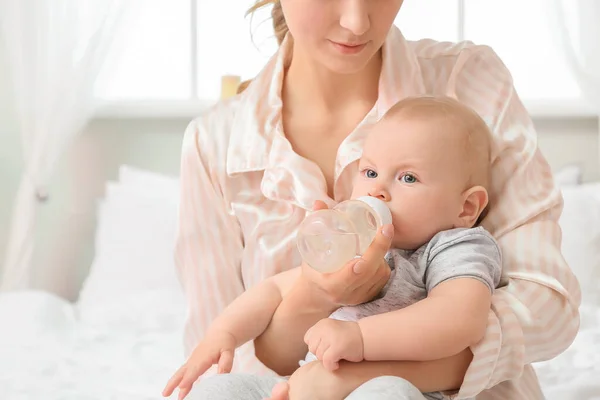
pixel 279 26
pixel 476 133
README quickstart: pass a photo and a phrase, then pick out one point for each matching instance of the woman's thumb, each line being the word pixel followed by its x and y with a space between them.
pixel 380 245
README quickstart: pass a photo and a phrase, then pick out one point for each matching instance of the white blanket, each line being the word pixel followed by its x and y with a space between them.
pixel 49 352
pixel 575 374
pixel 129 350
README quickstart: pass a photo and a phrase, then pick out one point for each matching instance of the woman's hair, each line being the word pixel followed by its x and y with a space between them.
pixel 279 26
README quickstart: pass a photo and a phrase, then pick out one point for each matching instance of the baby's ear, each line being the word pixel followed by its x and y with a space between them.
pixel 475 201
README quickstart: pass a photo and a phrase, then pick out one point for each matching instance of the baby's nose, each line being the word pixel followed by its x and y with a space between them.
pixel 380 193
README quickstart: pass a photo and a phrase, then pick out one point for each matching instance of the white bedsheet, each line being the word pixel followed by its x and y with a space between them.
pixel 127 350
pixel 49 352
pixel 575 374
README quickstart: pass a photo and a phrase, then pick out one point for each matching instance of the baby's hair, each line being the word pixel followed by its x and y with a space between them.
pixel 460 118
pixel 279 26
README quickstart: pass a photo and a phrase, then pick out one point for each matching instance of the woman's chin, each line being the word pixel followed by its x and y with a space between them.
pixel 347 63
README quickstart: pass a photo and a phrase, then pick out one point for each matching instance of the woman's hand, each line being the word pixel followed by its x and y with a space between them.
pixel 314 296
pixel 361 279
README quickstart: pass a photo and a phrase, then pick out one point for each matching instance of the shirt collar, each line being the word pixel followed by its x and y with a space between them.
pixel 258 116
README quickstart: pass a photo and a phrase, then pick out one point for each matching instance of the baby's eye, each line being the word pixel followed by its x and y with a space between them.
pixel 408 178
pixel 369 173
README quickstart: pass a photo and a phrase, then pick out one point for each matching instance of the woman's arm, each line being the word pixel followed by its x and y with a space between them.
pixel 209 244
pixel 535 316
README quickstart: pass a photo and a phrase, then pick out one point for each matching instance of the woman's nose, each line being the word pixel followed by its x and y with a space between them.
pixel 355 16
pixel 380 192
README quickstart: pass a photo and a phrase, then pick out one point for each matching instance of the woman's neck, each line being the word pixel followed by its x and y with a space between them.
pixel 315 87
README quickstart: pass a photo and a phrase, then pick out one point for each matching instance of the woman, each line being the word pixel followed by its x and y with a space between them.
pixel 254 165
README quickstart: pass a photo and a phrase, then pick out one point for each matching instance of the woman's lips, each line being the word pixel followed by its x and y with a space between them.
pixel 348 48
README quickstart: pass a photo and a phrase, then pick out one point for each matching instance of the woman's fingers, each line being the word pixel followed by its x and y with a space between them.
pixel 380 246
pixel 375 252
pixel 370 270
pixel 354 282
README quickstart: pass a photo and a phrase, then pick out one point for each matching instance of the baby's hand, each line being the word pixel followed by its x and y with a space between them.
pixel 332 340
pixel 217 348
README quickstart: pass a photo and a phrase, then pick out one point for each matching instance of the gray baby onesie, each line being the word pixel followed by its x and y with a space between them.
pixel 456 253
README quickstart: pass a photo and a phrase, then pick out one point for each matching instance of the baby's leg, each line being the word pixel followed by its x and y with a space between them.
pixel 233 387
pixel 389 388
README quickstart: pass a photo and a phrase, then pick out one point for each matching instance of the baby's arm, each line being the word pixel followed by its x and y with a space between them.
pixel 462 272
pixel 249 315
pixel 243 320
pixel 452 318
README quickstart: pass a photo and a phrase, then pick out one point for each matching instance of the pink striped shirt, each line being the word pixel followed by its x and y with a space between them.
pixel 245 192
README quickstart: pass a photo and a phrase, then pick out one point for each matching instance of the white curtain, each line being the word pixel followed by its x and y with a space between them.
pixel 576 24
pixel 55 49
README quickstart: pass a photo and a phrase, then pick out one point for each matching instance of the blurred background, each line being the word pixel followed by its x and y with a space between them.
pixel 164 66
pixel 97 92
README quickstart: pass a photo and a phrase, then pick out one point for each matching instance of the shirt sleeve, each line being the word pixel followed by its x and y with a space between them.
pixel 535 316
pixel 463 253
pixel 209 243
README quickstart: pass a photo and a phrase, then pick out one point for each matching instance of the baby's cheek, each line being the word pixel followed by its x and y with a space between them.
pixel 359 189
pixel 399 228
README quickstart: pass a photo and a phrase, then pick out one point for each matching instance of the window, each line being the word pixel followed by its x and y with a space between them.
pixel 519 32
pixel 179 49
pixel 153 56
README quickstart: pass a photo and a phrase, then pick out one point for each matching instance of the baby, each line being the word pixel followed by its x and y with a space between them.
pixel 429 160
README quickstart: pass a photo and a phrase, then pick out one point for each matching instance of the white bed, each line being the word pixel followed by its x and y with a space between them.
pixel 122 339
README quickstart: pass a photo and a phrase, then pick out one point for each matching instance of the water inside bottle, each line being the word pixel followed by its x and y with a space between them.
pixel 330 251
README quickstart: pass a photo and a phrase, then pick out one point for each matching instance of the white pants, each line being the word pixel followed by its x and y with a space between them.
pixel 250 387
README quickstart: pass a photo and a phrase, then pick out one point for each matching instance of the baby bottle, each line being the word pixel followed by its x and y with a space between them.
pixel 328 239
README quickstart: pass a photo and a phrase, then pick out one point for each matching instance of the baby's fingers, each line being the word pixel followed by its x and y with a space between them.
pixel 226 362
pixel 173 382
pixel 330 360
pixel 308 335
pixel 192 373
pixel 281 391
pixel 184 392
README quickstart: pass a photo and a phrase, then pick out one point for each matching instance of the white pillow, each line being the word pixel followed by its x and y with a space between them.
pixel 569 175
pixel 134 247
pixel 580 223
pixel 150 183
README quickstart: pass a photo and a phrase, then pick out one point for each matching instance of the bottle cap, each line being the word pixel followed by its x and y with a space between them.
pixel 379 207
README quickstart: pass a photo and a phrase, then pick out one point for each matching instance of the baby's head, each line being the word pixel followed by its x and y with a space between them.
pixel 429 160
